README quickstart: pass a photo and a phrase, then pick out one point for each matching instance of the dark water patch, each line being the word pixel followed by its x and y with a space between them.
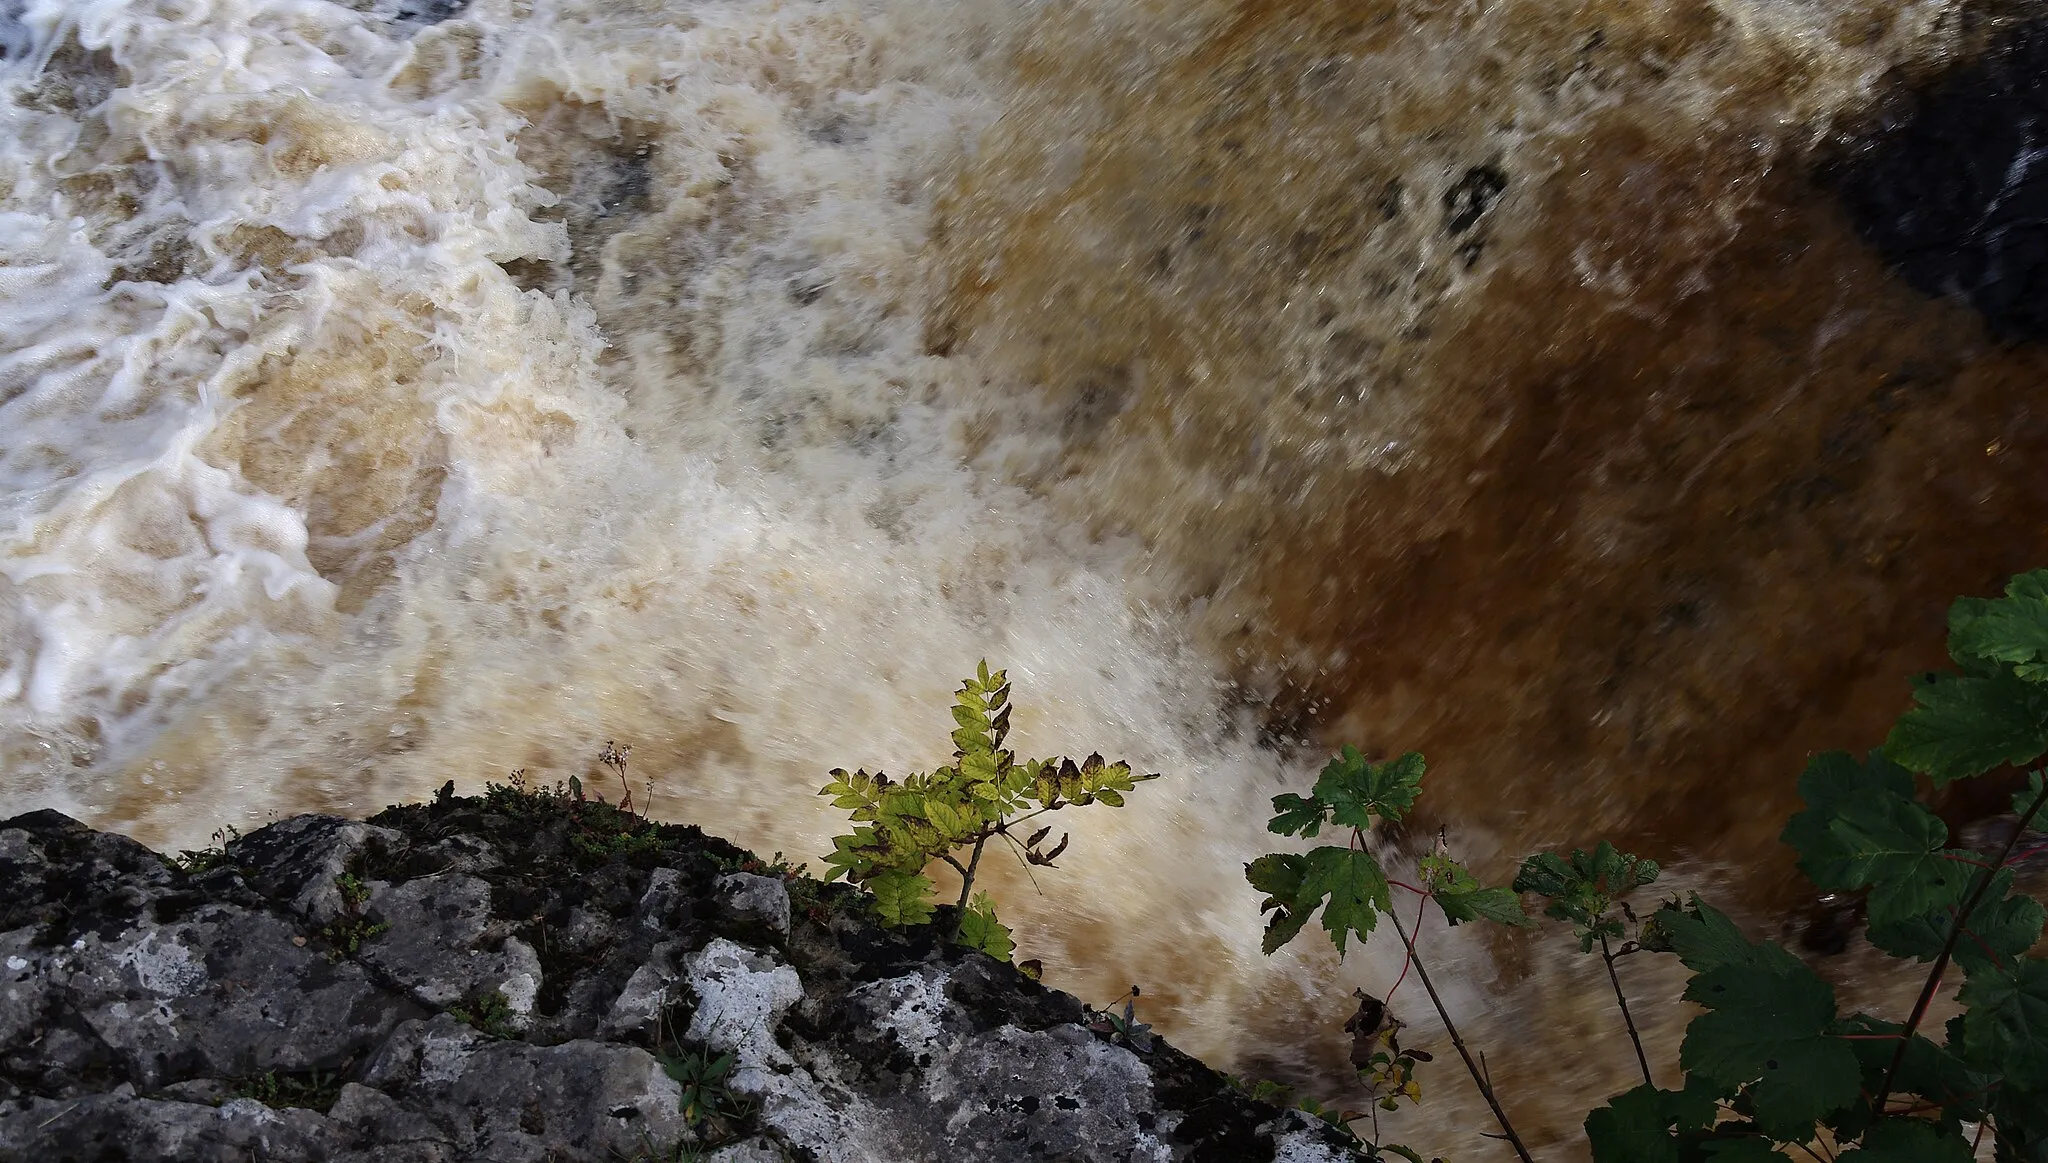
pixel 1952 186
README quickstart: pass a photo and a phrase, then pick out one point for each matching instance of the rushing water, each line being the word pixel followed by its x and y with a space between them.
pixel 394 392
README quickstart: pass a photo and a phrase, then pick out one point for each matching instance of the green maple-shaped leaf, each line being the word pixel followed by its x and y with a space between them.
pixel 1768 1030
pixel 902 898
pixel 1356 790
pixel 1900 1140
pixel 1296 816
pixel 1896 847
pixel 1634 1127
pixel 1351 887
pixel 1637 1126
pixel 1964 725
pixel 1999 930
pixel 979 929
pixel 1462 898
pixel 1831 780
pixel 2005 1024
pixel 1279 876
pixel 1705 938
pixel 2012 629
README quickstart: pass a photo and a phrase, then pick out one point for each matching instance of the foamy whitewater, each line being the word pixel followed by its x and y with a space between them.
pixel 386 401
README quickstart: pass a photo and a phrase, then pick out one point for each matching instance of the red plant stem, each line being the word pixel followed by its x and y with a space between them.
pixel 1948 948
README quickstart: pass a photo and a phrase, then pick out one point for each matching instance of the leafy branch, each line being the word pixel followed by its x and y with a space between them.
pixel 1351 888
pixel 902 828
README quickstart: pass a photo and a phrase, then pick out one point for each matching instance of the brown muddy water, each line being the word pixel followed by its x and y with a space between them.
pixel 395 394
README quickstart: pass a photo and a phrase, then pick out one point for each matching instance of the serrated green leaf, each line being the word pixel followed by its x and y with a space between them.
pixel 2023 800
pixel 1927 1071
pixel 1767 1029
pixel 969 717
pixel 1705 938
pixel 1634 1127
pixel 1296 816
pixel 1498 905
pixel 1462 898
pixel 1964 725
pixel 2011 629
pixel 979 929
pixel 1279 876
pixel 1899 1140
pixel 1584 887
pixel 2000 929
pixel 1351 887
pixel 2005 1024
pixel 1746 1149
pixel 1831 780
pixel 1355 790
pixel 902 898
pixel 1892 845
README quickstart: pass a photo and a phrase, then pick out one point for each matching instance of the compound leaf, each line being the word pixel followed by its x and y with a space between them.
pixel 902 898
pixel 979 929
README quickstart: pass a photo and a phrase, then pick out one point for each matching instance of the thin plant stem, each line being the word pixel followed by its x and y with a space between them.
pixel 1948 947
pixel 1472 1067
pixel 967 885
pixel 1629 1020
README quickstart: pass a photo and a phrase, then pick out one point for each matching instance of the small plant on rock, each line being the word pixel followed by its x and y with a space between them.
pixel 985 794
pixel 214 855
pixel 486 1012
pixel 347 932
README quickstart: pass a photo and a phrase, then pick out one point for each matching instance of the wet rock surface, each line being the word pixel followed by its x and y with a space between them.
pixel 1953 188
pixel 527 977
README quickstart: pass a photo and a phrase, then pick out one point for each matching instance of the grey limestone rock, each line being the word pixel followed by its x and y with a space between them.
pixel 500 979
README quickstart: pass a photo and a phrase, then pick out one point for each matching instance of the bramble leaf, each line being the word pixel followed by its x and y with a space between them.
pixel 2005 1024
pixel 902 898
pixel 1899 1140
pixel 1964 725
pixel 979 929
pixel 1356 790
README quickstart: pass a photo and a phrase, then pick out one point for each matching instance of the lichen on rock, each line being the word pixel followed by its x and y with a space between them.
pixel 531 977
